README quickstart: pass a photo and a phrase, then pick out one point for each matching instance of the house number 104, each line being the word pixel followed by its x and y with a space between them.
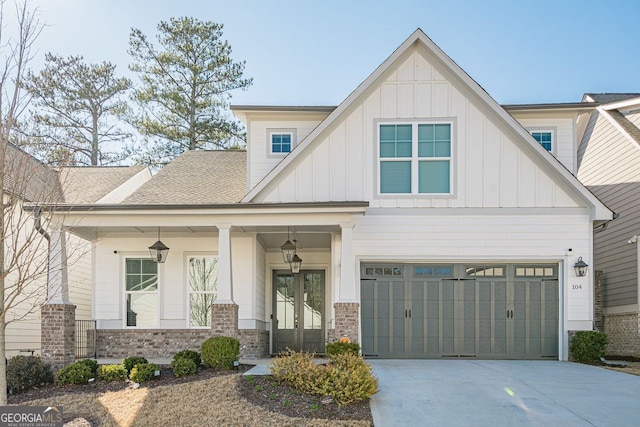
pixel 576 286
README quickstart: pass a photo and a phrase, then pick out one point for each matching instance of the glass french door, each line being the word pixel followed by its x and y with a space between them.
pixel 298 311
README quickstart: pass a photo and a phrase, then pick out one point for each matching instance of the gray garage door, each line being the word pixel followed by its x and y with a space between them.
pixel 455 310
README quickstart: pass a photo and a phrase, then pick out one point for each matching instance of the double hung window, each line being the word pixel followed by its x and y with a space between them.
pixel 141 292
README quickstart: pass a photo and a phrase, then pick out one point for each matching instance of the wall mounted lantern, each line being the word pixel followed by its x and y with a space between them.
pixel 159 250
pixel 581 267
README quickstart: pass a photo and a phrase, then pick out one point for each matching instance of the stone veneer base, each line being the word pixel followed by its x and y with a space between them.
pixel 623 334
pixel 58 334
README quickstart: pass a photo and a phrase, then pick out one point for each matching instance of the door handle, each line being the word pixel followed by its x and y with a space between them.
pixel 405 313
pixel 409 313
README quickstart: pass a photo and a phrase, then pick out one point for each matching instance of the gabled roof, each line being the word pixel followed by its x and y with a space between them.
pixel 419 37
pixel 88 184
pixel 625 124
pixel 196 178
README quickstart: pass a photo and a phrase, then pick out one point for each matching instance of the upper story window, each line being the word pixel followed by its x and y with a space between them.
pixel 415 158
pixel 280 141
pixel 545 138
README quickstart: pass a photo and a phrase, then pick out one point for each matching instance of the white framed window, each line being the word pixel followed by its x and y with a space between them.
pixel 415 158
pixel 202 283
pixel 141 293
pixel 280 142
pixel 546 138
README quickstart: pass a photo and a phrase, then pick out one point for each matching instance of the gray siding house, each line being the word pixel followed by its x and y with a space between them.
pixel 609 165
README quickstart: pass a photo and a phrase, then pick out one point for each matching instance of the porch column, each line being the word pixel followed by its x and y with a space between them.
pixel 347 308
pixel 224 311
pixel 58 315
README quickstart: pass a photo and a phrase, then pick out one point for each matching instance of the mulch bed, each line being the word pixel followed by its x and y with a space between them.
pixel 279 397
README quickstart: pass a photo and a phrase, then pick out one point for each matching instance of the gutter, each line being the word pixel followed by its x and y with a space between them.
pixel 604 225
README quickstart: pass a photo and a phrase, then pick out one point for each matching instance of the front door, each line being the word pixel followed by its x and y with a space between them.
pixel 298 311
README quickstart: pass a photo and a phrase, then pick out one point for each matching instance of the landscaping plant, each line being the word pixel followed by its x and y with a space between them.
pixel 112 373
pixel 143 372
pixel 189 354
pixel 77 373
pixel 588 346
pixel 91 364
pixel 340 347
pixel 220 352
pixel 26 373
pixel 130 362
pixel 183 366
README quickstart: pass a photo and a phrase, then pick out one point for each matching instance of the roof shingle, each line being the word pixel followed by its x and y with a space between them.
pixel 88 184
pixel 196 178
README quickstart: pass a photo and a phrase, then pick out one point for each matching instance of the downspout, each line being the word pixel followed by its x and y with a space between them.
pixel 38 226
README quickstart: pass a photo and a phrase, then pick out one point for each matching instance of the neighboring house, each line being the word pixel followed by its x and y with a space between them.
pixel 30 182
pixel 430 223
pixel 609 165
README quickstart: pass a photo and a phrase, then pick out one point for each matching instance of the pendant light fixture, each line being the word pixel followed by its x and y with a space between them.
pixel 159 250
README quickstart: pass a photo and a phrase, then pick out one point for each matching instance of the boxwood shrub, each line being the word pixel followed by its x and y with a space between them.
pixel 220 352
pixel 112 372
pixel 78 373
pixel 588 346
pixel 143 372
pixel 132 361
pixel 26 373
pixel 189 354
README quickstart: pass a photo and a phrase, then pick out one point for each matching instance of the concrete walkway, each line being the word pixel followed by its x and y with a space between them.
pixel 502 393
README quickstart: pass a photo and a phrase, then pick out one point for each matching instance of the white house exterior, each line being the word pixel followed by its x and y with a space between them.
pixel 429 221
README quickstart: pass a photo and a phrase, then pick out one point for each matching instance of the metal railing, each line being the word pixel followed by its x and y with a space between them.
pixel 85 339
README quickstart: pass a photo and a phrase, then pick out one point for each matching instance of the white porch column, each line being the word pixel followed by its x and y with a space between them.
pixel 225 279
pixel 57 276
pixel 347 273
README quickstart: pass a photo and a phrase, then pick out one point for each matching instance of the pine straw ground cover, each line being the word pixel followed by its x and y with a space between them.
pixel 209 398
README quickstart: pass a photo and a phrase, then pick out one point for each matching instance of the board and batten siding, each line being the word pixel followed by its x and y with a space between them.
pixel 491 168
pixel 108 280
pixel 504 238
pixel 564 144
pixel 610 169
pixel 260 162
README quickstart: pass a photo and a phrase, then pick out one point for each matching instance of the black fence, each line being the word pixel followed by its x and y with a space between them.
pixel 85 339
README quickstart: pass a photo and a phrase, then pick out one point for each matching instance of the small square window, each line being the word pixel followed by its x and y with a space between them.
pixel 544 138
pixel 280 141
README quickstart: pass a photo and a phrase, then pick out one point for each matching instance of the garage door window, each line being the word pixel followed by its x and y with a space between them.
pixel 533 271
pixel 433 271
pixel 485 271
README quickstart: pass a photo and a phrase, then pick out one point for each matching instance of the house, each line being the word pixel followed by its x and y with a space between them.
pixel 30 182
pixel 429 221
pixel 609 165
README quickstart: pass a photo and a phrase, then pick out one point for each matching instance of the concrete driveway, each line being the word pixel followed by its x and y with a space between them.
pixel 502 393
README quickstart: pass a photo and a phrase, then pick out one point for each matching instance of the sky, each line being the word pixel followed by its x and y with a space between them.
pixel 302 52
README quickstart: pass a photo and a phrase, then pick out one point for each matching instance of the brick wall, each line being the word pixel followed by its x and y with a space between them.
pixel 346 322
pixel 164 343
pixel 224 319
pixel 598 304
pixel 254 343
pixel 58 332
pixel 623 333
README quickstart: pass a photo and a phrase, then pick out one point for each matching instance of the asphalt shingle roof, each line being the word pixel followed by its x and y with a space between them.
pixel 88 184
pixel 196 178
pixel 29 178
pixel 606 98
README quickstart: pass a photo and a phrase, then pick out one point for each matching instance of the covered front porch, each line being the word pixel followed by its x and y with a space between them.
pixel 224 274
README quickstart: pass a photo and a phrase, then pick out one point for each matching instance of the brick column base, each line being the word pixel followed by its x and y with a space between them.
pixel 58 334
pixel 224 320
pixel 346 321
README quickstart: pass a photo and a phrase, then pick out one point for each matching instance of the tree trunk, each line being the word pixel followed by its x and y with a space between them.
pixel 3 213
pixel 95 142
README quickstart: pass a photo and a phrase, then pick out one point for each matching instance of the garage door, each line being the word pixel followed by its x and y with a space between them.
pixel 507 311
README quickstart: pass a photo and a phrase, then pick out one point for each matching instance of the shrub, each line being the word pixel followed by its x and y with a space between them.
pixel 588 346
pixel 91 364
pixel 189 354
pixel 347 379
pixel 143 372
pixel 112 372
pixel 27 372
pixel 132 361
pixel 78 373
pixel 341 347
pixel 183 366
pixel 220 352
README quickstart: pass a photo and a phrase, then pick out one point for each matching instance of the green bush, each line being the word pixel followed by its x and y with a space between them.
pixel 220 352
pixel 588 346
pixel 112 372
pixel 189 354
pixel 27 372
pixel 183 366
pixel 132 361
pixel 92 364
pixel 346 379
pixel 78 373
pixel 341 347
pixel 143 372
